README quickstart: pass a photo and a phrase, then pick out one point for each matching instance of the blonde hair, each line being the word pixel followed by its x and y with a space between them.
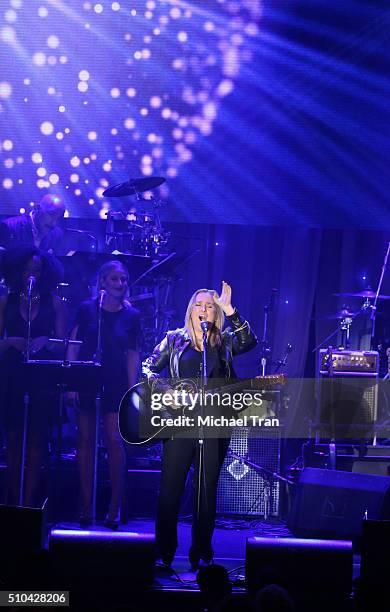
pixel 105 270
pixel 215 332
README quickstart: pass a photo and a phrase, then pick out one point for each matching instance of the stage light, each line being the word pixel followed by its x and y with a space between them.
pixel 36 158
pixel 54 178
pixel 39 58
pixel 53 42
pixel 75 161
pixel 5 90
pixel 43 12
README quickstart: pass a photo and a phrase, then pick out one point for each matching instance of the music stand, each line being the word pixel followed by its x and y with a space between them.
pixel 54 375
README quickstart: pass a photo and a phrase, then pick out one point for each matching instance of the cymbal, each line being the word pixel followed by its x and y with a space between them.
pixel 367 294
pixel 134 186
pixel 341 314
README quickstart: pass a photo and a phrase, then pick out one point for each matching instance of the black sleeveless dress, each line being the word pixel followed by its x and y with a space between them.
pixel 120 332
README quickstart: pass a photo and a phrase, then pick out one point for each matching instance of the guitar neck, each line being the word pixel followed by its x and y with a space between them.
pixel 260 383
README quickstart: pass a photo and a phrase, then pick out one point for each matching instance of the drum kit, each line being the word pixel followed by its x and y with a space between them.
pixel 136 234
pixel 346 317
pixel 132 231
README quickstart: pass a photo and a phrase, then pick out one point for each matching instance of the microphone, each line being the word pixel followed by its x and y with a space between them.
pixel 102 294
pixel 205 325
pixel 273 299
pixel 30 285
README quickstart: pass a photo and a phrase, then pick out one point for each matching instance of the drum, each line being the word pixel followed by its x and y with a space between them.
pixel 143 235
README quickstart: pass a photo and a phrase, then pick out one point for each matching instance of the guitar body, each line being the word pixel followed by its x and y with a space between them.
pixel 135 406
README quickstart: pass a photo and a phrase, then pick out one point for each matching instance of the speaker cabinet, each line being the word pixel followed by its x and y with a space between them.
pixel 347 405
pixel 242 489
pixel 333 504
pixel 311 571
pixel 21 529
pixel 22 557
pixel 103 555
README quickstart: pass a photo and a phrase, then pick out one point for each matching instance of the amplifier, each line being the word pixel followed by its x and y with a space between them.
pixel 344 362
pixel 347 401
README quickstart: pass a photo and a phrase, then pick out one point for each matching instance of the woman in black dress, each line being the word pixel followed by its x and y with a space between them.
pixel 47 320
pixel 120 338
pixel 180 352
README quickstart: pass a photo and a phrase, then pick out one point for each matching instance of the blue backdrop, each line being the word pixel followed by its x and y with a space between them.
pixel 255 112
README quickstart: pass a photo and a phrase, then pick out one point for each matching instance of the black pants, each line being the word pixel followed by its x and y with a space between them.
pixel 178 454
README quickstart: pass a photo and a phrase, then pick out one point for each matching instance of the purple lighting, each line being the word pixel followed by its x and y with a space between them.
pixel 140 95
pixel 97 534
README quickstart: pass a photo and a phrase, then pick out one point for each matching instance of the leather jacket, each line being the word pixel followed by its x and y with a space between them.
pixel 236 339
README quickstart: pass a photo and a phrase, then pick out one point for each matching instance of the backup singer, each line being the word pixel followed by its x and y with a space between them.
pixel 120 339
pixel 181 353
pixel 48 319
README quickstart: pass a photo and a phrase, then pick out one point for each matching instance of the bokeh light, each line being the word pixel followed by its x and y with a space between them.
pixel 150 78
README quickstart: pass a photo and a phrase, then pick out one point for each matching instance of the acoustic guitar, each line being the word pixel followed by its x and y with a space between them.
pixel 137 405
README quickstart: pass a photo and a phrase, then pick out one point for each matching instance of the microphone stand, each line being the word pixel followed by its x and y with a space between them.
pixel 265 348
pixel 281 363
pixel 203 384
pixel 26 397
pixel 97 358
pixel 98 352
pixel 373 307
pixel 29 306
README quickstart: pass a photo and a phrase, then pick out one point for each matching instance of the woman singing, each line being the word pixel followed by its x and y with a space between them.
pixel 120 338
pixel 181 353
pixel 31 277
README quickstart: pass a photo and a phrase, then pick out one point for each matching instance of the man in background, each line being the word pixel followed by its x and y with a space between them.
pixel 39 228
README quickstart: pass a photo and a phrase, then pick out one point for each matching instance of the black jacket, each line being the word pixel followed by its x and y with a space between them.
pixel 16 231
pixel 236 340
